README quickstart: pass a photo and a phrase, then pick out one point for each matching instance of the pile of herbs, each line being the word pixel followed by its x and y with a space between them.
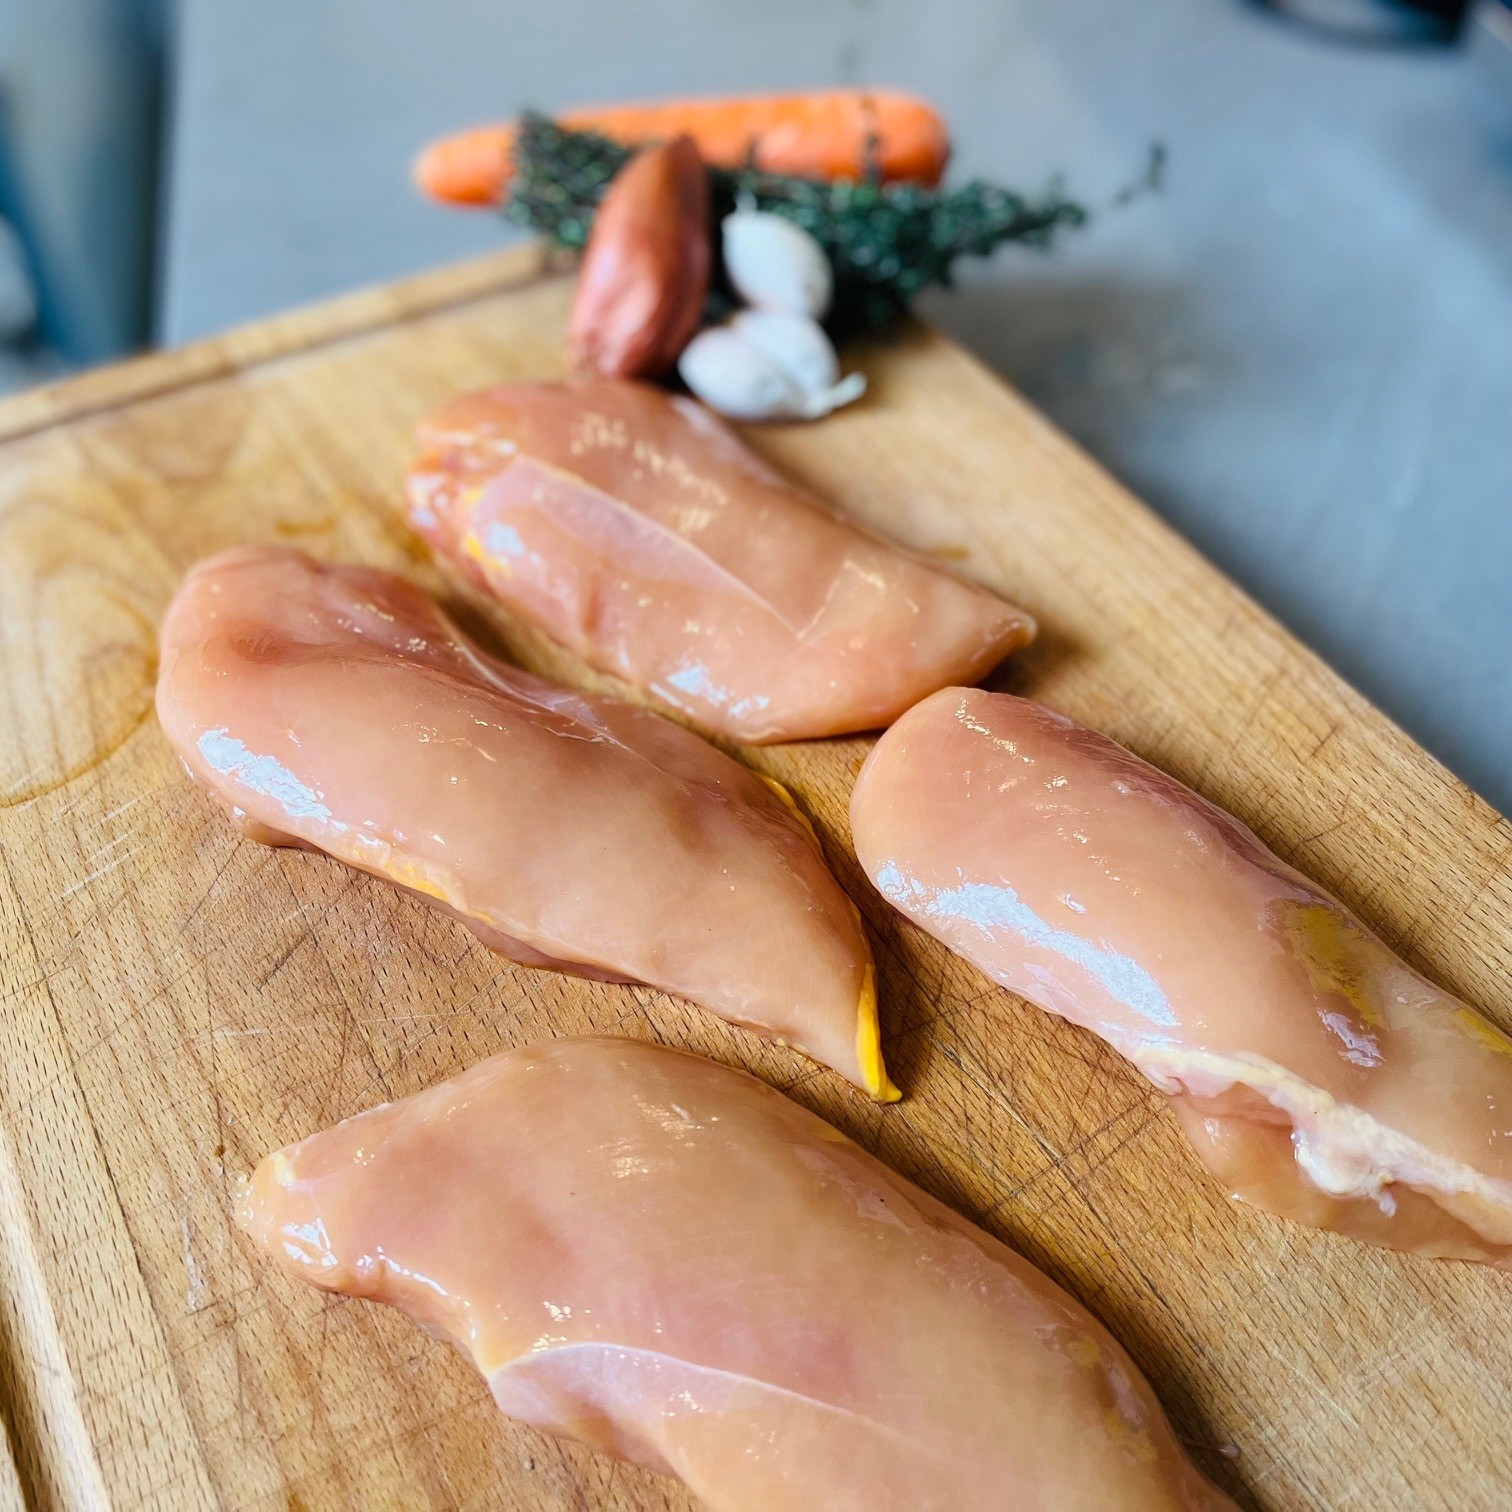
pixel 885 242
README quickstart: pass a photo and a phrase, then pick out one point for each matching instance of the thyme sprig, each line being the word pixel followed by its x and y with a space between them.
pixel 885 242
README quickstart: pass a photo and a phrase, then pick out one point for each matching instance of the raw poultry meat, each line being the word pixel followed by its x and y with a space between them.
pixel 635 528
pixel 670 1261
pixel 339 709
pixel 1317 1074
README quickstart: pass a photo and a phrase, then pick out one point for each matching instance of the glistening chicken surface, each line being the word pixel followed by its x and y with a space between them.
pixel 638 530
pixel 672 1262
pixel 1317 1074
pixel 337 708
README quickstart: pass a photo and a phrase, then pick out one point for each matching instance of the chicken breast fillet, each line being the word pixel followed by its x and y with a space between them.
pixel 338 708
pixel 1316 1073
pixel 673 1263
pixel 638 530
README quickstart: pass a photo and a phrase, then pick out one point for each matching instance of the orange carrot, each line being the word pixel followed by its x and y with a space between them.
pixel 817 134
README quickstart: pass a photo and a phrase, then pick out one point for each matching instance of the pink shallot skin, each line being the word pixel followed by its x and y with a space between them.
pixel 635 528
pixel 337 708
pixel 673 1263
pixel 1317 1074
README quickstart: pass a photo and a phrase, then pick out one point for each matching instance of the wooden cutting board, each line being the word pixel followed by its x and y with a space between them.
pixel 178 1002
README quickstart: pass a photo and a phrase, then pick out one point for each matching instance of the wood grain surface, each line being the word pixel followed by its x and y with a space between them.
pixel 177 1002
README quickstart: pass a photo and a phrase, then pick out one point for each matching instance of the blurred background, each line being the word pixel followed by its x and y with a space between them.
pixel 1299 350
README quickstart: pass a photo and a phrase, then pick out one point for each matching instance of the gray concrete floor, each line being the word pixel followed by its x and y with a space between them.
pixel 1300 353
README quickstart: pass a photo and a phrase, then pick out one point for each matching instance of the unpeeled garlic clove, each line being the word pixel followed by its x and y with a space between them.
pixel 774 264
pixel 763 367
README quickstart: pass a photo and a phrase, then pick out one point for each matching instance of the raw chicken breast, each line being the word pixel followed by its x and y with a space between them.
pixel 636 529
pixel 670 1261
pixel 338 708
pixel 1317 1074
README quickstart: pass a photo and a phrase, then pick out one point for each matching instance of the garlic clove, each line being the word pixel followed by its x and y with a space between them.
pixel 776 265
pixel 735 377
pixel 796 343
pixel 745 380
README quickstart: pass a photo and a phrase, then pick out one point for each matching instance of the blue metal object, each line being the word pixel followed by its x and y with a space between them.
pixel 80 100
